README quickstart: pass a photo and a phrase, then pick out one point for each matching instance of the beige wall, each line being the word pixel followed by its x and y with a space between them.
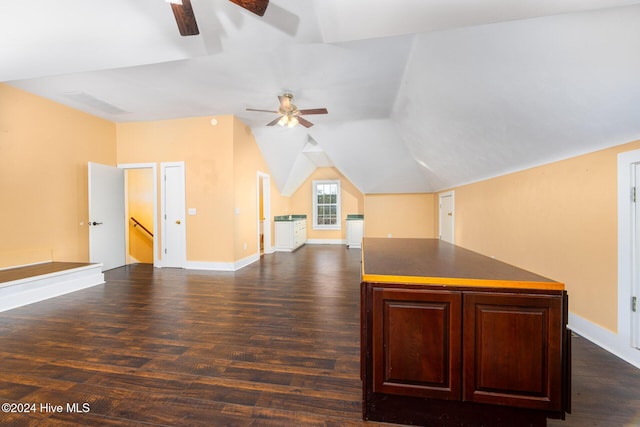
pixel 301 202
pixel 208 155
pixel 247 161
pixel 44 151
pixel 221 165
pixel 399 215
pixel 558 220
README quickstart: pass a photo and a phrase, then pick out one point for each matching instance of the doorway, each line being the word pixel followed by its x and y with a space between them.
pixel 141 211
pixel 264 213
pixel 446 216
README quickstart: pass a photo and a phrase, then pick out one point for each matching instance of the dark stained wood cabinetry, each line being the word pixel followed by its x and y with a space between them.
pixel 442 350
pixel 416 342
pixel 513 349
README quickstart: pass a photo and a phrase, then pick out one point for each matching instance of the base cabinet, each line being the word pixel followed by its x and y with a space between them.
pixel 290 235
pixel 355 233
pixel 464 356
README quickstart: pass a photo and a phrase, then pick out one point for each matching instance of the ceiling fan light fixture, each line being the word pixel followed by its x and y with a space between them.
pixel 288 121
pixel 174 2
pixel 283 121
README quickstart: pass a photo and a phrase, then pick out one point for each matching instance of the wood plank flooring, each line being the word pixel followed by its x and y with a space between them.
pixel 273 344
pixel 19 273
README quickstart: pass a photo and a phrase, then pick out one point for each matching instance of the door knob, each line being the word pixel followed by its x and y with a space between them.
pixel 178 221
pixel 95 223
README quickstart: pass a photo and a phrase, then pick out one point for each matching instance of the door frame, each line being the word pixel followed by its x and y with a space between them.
pixel 163 214
pixel 453 213
pixel 628 321
pixel 154 169
pixel 265 180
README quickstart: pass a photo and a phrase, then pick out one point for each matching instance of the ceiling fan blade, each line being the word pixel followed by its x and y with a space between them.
pixel 185 18
pixel 314 111
pixel 259 7
pixel 304 122
pixel 274 122
pixel 264 111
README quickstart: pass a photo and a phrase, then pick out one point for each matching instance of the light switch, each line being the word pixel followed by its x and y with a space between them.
pixel 192 211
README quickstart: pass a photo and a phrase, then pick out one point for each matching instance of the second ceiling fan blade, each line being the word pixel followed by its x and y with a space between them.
pixel 185 18
pixel 304 122
pixel 259 7
pixel 314 111
pixel 264 111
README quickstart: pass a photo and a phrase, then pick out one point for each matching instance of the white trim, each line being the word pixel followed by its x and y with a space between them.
pixel 266 200
pixel 613 343
pixel 314 204
pixel 625 246
pixel 222 266
pixel 326 241
pixel 18 293
pixel 154 169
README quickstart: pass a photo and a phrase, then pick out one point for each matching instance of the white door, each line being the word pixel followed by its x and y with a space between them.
pixel 173 215
pixel 635 273
pixel 447 215
pixel 106 216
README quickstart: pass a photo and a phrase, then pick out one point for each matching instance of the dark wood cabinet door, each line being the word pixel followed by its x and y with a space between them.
pixel 513 350
pixel 416 342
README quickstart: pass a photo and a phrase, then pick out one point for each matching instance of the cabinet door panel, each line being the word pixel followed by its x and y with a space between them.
pixel 417 343
pixel 513 350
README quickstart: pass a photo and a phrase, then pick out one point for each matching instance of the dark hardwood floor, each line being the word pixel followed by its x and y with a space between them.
pixel 274 344
pixel 19 273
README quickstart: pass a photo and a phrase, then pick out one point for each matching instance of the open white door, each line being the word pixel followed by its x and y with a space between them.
pixel 106 216
pixel 635 253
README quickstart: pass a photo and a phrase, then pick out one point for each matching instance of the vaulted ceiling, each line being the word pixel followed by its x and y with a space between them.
pixel 422 95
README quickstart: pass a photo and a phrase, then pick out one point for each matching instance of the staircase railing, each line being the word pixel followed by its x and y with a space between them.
pixel 137 223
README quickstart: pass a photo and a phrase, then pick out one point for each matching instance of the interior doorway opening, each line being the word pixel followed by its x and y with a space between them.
pixel 263 214
pixel 141 212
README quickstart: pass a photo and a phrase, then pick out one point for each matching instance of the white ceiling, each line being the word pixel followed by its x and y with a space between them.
pixel 422 94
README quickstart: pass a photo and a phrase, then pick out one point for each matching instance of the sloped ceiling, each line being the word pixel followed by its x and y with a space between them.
pixel 422 95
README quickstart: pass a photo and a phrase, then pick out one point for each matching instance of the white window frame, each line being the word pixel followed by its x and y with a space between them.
pixel 314 195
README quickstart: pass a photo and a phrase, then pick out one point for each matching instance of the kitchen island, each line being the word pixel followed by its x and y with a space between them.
pixel 450 337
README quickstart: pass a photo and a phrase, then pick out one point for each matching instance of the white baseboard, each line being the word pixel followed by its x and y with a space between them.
pixel 326 242
pixel 613 343
pixel 222 266
pixel 27 291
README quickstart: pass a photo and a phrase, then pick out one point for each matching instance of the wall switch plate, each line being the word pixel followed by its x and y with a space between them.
pixel 192 211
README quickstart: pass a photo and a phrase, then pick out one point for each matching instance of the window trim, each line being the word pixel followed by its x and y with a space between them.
pixel 314 196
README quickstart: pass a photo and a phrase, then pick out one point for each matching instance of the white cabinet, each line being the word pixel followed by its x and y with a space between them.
pixel 290 234
pixel 355 232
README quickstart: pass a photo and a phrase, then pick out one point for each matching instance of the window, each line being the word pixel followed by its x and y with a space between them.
pixel 326 205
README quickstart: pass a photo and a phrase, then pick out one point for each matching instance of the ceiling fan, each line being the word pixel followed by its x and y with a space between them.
pixel 186 19
pixel 289 113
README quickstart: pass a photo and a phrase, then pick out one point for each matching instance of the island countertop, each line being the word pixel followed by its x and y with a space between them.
pixel 434 262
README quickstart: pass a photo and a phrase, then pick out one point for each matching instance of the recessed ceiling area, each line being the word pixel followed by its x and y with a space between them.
pixel 422 95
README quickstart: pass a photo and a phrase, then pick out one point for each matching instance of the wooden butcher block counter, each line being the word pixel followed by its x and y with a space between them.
pixel 453 338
